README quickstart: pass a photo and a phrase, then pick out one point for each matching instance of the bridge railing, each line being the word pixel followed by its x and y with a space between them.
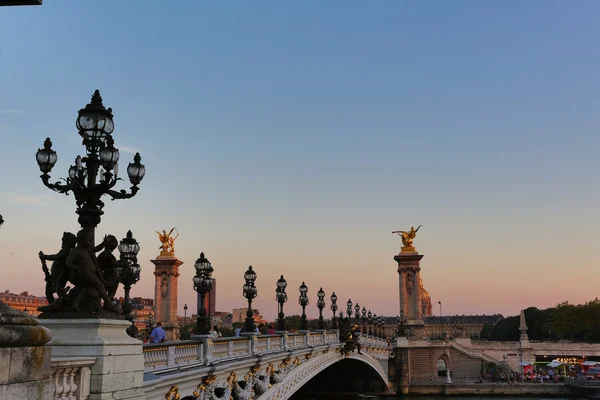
pixel 174 355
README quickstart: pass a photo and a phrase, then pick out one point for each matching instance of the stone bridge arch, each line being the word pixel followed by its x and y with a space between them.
pixel 306 371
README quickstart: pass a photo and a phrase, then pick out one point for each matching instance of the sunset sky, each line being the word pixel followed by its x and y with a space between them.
pixel 296 136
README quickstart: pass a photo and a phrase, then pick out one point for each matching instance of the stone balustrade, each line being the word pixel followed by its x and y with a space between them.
pixel 175 355
pixel 71 376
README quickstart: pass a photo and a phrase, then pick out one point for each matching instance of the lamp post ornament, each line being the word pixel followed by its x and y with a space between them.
pixel 334 308
pixel 89 179
pixel 303 301
pixel 321 306
pixel 203 285
pixel 250 292
pixel 281 298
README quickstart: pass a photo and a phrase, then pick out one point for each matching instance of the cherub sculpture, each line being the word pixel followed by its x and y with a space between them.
pixel 167 247
pixel 57 277
pixel 408 237
pixel 108 264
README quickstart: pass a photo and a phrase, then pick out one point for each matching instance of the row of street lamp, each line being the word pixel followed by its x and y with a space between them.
pixel 203 286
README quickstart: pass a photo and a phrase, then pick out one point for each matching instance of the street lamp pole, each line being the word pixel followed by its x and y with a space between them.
pixel 441 320
pixel 185 308
pixel 370 321
pixel 334 308
pixel 357 313
pixel 303 301
pixel 364 321
pixel 203 285
pixel 281 298
pixel 321 306
pixel 250 293
pixel 129 270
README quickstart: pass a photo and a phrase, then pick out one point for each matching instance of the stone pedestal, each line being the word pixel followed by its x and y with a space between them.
pixel 409 274
pixel 402 357
pixel 24 361
pixel 118 372
pixel 166 272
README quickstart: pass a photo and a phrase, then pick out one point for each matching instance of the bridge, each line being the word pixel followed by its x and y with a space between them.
pixel 259 366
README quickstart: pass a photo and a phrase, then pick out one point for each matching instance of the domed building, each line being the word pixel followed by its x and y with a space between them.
pixel 426 307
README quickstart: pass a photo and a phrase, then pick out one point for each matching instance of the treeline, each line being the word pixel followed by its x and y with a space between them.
pixel 563 322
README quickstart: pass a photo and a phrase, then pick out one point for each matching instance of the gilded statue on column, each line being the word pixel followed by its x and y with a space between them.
pixel 167 246
pixel 407 238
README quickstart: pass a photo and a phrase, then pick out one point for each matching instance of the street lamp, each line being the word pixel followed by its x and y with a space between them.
pixel 334 308
pixel 349 308
pixel 129 269
pixel 89 179
pixel 303 301
pixel 381 327
pixel 185 308
pixel 281 298
pixel 95 174
pixel 203 285
pixel 250 293
pixel 401 321
pixel 321 306
pixel 364 321
pixel 441 320
pixel 357 313
pixel 375 319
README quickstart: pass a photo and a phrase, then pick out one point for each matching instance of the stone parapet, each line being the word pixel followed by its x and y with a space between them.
pixel 117 372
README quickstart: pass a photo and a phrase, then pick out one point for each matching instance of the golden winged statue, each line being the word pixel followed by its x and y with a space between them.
pixel 407 238
pixel 167 246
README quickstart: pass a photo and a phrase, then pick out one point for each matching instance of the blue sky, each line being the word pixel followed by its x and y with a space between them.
pixel 295 136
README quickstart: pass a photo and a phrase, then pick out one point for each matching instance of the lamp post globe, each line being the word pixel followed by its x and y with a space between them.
pixel 303 301
pixel 203 285
pixel 85 178
pixel 281 298
pixel 334 308
pixel 321 306
pixel 364 321
pixel 128 269
pixel 250 292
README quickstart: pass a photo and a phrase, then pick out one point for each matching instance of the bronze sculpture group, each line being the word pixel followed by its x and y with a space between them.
pixel 94 278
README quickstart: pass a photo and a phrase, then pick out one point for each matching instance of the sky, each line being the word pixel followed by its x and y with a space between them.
pixel 296 136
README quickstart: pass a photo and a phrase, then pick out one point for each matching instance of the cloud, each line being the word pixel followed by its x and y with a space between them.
pixel 23 199
pixel 127 149
pixel 11 111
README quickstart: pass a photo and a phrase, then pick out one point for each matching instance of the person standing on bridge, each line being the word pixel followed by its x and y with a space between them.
pixel 158 334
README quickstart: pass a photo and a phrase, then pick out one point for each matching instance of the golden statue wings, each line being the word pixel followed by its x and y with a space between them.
pixel 408 237
pixel 167 246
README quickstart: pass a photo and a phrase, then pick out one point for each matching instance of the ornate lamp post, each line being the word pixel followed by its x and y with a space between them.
pixel 250 293
pixel 370 321
pixel 303 301
pixel 357 313
pixel 203 285
pixel 129 269
pixel 185 308
pixel 321 306
pixel 1 220
pixel 95 174
pixel 334 308
pixel 381 328
pixel 375 319
pixel 349 308
pixel 364 321
pixel 401 321
pixel 281 298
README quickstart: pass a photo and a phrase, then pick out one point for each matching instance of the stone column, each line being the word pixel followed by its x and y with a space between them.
pixel 118 372
pixel 24 360
pixel 402 364
pixel 410 293
pixel 166 272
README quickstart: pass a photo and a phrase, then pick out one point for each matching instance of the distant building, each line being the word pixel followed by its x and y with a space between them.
pixel 426 307
pixel 239 315
pixel 23 302
pixel 142 308
pixel 467 326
